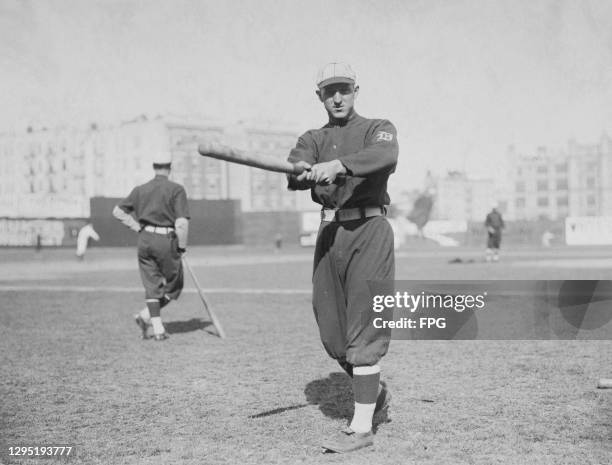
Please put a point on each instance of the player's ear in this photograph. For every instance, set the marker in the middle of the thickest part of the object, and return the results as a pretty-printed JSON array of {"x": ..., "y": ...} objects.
[
  {"x": 356, "y": 91},
  {"x": 318, "y": 92}
]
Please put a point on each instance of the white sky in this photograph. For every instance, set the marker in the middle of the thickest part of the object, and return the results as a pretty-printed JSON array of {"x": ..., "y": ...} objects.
[{"x": 461, "y": 79}]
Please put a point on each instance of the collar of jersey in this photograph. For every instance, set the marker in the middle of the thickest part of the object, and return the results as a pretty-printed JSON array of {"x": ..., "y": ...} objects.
[{"x": 343, "y": 122}]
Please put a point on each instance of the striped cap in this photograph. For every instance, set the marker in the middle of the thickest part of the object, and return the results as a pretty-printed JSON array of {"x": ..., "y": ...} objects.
[{"x": 333, "y": 73}]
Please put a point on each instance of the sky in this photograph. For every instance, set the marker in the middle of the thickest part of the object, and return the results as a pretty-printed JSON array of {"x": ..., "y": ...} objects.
[{"x": 460, "y": 79}]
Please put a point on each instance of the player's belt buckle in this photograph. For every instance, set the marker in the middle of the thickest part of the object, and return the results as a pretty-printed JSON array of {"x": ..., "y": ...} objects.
[
  {"x": 351, "y": 214},
  {"x": 158, "y": 229}
]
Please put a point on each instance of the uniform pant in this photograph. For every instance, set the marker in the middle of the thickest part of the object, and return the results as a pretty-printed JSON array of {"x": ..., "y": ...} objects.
[
  {"x": 494, "y": 240},
  {"x": 348, "y": 255},
  {"x": 159, "y": 262}
]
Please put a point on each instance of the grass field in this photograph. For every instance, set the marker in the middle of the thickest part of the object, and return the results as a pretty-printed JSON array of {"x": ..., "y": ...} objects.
[{"x": 75, "y": 371}]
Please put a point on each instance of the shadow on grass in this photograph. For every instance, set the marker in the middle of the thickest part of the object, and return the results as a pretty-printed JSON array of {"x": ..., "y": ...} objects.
[
  {"x": 276, "y": 411},
  {"x": 195, "y": 324},
  {"x": 333, "y": 395}
]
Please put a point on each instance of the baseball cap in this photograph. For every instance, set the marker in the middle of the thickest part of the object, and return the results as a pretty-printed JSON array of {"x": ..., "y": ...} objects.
[
  {"x": 162, "y": 158},
  {"x": 333, "y": 73}
]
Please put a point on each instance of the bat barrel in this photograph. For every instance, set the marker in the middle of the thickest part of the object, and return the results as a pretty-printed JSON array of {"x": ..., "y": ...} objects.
[{"x": 256, "y": 160}]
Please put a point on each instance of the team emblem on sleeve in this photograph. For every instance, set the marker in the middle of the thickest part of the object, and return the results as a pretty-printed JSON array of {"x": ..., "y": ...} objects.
[{"x": 384, "y": 136}]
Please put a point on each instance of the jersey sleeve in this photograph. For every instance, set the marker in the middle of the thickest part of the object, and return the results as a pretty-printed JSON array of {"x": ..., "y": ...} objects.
[
  {"x": 128, "y": 204},
  {"x": 379, "y": 154},
  {"x": 181, "y": 206},
  {"x": 304, "y": 150}
]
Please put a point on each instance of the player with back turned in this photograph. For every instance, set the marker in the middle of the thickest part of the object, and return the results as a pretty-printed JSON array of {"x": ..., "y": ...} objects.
[
  {"x": 159, "y": 213},
  {"x": 348, "y": 162}
]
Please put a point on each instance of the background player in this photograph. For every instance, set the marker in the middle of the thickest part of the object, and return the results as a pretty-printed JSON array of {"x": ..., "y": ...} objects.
[
  {"x": 161, "y": 219},
  {"x": 349, "y": 161},
  {"x": 494, "y": 224},
  {"x": 85, "y": 233}
]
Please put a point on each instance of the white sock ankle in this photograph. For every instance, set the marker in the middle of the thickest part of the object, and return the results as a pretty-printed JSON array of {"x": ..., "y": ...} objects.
[
  {"x": 158, "y": 327},
  {"x": 362, "y": 418},
  {"x": 144, "y": 314}
]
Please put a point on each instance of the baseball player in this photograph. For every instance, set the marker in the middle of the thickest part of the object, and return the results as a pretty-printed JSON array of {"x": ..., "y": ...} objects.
[
  {"x": 348, "y": 162},
  {"x": 85, "y": 233},
  {"x": 494, "y": 224},
  {"x": 158, "y": 212}
]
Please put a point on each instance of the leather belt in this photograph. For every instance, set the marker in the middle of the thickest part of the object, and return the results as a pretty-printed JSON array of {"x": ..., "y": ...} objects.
[
  {"x": 351, "y": 214},
  {"x": 158, "y": 229}
]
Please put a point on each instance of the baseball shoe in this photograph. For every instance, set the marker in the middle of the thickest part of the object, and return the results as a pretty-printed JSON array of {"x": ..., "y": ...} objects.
[
  {"x": 142, "y": 324},
  {"x": 604, "y": 383},
  {"x": 160, "y": 337},
  {"x": 349, "y": 441}
]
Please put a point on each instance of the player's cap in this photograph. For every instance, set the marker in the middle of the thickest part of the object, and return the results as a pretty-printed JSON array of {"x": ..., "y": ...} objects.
[
  {"x": 162, "y": 158},
  {"x": 333, "y": 73}
]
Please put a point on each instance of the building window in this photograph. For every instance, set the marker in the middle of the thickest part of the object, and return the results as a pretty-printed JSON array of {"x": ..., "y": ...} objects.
[
  {"x": 561, "y": 168},
  {"x": 542, "y": 185},
  {"x": 542, "y": 201},
  {"x": 561, "y": 184},
  {"x": 591, "y": 200},
  {"x": 590, "y": 182},
  {"x": 562, "y": 201},
  {"x": 520, "y": 186},
  {"x": 542, "y": 169},
  {"x": 520, "y": 202}
]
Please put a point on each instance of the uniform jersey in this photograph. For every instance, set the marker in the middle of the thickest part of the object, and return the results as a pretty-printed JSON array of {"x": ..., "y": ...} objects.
[
  {"x": 366, "y": 147},
  {"x": 158, "y": 202},
  {"x": 494, "y": 220}
]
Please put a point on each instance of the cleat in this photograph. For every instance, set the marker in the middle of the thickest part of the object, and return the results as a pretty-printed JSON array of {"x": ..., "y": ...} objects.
[
  {"x": 160, "y": 337},
  {"x": 349, "y": 441},
  {"x": 143, "y": 325},
  {"x": 604, "y": 383}
]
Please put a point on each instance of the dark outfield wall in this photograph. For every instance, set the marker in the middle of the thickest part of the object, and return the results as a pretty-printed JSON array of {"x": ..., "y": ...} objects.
[
  {"x": 262, "y": 228},
  {"x": 213, "y": 222}
]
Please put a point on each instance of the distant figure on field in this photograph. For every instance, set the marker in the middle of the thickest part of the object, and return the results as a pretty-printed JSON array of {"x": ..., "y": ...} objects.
[
  {"x": 547, "y": 238},
  {"x": 278, "y": 242},
  {"x": 421, "y": 211},
  {"x": 85, "y": 233},
  {"x": 494, "y": 224}
]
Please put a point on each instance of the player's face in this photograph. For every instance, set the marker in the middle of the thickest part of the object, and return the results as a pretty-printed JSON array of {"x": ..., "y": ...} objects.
[{"x": 338, "y": 99}]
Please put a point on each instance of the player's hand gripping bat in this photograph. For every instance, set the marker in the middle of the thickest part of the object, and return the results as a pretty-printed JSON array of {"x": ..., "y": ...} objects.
[{"x": 257, "y": 160}]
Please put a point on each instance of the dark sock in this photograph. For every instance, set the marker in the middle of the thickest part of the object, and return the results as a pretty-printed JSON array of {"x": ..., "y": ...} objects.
[
  {"x": 154, "y": 307},
  {"x": 365, "y": 388}
]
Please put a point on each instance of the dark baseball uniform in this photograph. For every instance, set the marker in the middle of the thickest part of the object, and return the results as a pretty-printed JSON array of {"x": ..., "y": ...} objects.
[
  {"x": 495, "y": 221},
  {"x": 159, "y": 202},
  {"x": 348, "y": 254}
]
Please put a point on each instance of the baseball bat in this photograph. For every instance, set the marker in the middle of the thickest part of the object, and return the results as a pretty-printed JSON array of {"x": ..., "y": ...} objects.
[
  {"x": 208, "y": 310},
  {"x": 257, "y": 160}
]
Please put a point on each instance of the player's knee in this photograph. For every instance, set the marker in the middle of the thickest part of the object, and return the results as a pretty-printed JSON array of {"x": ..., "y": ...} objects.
[{"x": 367, "y": 355}]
